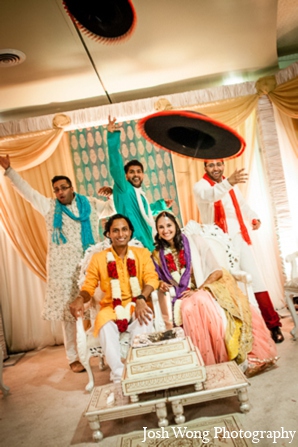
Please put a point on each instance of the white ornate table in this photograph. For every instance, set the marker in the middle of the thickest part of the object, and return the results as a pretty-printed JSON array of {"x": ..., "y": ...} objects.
[
  {"x": 223, "y": 380},
  {"x": 109, "y": 403}
]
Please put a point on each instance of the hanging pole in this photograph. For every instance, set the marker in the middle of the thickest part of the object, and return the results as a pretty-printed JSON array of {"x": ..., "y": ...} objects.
[{"x": 92, "y": 62}]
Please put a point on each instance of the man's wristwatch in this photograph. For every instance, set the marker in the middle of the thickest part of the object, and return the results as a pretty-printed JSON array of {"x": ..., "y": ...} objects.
[{"x": 141, "y": 297}]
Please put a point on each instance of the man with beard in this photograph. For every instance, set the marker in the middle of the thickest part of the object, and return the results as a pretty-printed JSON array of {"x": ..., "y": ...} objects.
[
  {"x": 220, "y": 201},
  {"x": 72, "y": 226},
  {"x": 129, "y": 198}
]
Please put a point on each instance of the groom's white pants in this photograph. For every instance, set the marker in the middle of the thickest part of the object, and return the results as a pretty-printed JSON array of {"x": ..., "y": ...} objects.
[{"x": 109, "y": 338}]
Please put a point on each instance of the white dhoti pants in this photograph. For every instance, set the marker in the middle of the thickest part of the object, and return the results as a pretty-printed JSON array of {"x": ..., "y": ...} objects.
[
  {"x": 248, "y": 262},
  {"x": 110, "y": 343},
  {"x": 69, "y": 330}
]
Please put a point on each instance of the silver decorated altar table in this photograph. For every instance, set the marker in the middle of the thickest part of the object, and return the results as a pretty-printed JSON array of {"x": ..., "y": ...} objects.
[
  {"x": 109, "y": 403},
  {"x": 155, "y": 364}
]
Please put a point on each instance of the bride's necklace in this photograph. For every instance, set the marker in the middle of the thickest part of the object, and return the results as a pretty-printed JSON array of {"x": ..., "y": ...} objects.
[{"x": 176, "y": 262}]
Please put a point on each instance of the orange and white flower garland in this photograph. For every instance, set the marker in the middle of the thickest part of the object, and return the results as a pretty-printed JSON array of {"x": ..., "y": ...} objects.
[{"x": 123, "y": 314}]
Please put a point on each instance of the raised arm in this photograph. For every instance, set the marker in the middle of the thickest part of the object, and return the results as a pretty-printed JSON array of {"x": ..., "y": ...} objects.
[
  {"x": 37, "y": 200},
  {"x": 116, "y": 165},
  {"x": 204, "y": 193}
]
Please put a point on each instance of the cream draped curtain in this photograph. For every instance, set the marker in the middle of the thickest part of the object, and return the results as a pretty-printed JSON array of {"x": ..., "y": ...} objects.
[
  {"x": 22, "y": 297},
  {"x": 29, "y": 150},
  {"x": 284, "y": 96},
  {"x": 288, "y": 142},
  {"x": 289, "y": 126}
]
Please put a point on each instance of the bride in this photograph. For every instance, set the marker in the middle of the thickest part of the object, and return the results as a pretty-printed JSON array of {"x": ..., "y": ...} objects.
[{"x": 213, "y": 311}]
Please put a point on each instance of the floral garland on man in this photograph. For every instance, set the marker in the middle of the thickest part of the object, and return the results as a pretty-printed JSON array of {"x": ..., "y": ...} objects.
[{"x": 123, "y": 314}]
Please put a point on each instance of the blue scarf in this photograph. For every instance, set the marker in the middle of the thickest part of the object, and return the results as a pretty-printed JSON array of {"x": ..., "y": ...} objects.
[{"x": 84, "y": 208}]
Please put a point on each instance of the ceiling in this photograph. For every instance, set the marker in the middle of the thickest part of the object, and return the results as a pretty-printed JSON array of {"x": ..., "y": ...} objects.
[{"x": 177, "y": 46}]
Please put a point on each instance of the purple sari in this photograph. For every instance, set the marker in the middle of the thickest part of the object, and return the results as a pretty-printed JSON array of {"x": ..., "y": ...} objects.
[{"x": 165, "y": 275}]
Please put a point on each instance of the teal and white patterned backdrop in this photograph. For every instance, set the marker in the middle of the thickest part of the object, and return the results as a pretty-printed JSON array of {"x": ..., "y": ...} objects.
[{"x": 91, "y": 164}]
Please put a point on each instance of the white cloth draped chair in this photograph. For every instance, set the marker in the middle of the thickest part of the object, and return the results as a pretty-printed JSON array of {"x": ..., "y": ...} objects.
[
  {"x": 291, "y": 290},
  {"x": 222, "y": 248}
]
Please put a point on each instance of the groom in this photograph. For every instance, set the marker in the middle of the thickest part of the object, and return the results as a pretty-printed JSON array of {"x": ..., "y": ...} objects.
[{"x": 127, "y": 277}]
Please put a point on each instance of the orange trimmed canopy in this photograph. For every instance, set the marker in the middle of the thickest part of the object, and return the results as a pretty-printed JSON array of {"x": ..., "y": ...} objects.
[
  {"x": 108, "y": 21},
  {"x": 191, "y": 134}
]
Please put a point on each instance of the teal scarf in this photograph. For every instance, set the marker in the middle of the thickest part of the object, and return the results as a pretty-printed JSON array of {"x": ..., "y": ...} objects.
[{"x": 84, "y": 217}]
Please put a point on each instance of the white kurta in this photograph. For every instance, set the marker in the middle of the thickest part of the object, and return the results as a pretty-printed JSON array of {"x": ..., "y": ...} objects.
[
  {"x": 62, "y": 260},
  {"x": 205, "y": 196}
]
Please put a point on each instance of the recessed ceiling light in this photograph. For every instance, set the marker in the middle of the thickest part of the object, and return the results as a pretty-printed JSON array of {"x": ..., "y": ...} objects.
[{"x": 10, "y": 58}]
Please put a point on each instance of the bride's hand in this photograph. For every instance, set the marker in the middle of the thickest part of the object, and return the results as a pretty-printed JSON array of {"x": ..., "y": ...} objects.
[
  {"x": 187, "y": 294},
  {"x": 164, "y": 287}
]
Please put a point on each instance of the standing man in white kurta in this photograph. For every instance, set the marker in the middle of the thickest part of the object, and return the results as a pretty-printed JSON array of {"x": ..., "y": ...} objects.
[
  {"x": 72, "y": 225},
  {"x": 220, "y": 201}
]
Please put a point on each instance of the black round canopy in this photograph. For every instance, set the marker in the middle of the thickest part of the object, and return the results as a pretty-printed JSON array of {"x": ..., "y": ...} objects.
[
  {"x": 107, "y": 20},
  {"x": 191, "y": 134}
]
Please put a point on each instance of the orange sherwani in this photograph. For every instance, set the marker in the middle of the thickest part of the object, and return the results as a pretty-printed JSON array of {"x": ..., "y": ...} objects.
[{"x": 98, "y": 272}]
